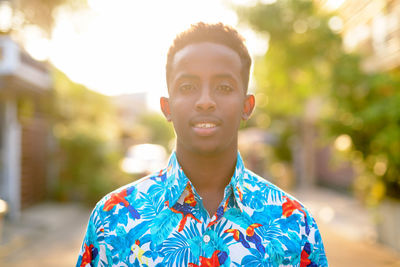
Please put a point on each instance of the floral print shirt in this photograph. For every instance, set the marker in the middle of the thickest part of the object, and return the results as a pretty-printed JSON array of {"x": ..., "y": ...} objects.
[{"x": 160, "y": 221}]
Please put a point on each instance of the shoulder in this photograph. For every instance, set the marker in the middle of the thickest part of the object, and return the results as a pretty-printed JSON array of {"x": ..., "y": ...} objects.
[
  {"x": 270, "y": 205},
  {"x": 127, "y": 197},
  {"x": 264, "y": 189},
  {"x": 260, "y": 193}
]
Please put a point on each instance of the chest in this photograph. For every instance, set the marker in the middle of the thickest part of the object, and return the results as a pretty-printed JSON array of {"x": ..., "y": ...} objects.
[{"x": 233, "y": 240}]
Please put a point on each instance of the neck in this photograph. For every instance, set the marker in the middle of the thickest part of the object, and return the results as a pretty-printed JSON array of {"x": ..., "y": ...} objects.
[{"x": 208, "y": 172}]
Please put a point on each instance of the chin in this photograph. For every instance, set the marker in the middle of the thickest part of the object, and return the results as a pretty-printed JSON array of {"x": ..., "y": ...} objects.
[
  {"x": 211, "y": 149},
  {"x": 208, "y": 146}
]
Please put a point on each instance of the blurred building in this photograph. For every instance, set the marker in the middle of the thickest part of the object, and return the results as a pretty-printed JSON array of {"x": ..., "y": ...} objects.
[
  {"x": 372, "y": 28},
  {"x": 129, "y": 108},
  {"x": 25, "y": 91}
]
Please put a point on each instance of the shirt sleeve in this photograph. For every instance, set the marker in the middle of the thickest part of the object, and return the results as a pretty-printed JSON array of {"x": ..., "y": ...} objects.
[
  {"x": 313, "y": 252},
  {"x": 93, "y": 250}
]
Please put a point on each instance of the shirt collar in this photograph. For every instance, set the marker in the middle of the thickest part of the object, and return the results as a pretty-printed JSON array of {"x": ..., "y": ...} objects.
[
  {"x": 176, "y": 177},
  {"x": 237, "y": 179}
]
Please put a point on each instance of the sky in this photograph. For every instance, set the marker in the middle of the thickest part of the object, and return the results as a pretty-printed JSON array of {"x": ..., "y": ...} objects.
[{"x": 119, "y": 46}]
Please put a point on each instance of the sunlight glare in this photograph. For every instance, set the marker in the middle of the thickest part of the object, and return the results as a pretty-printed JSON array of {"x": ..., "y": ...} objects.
[
  {"x": 335, "y": 24},
  {"x": 120, "y": 46},
  {"x": 343, "y": 142},
  {"x": 36, "y": 44},
  {"x": 380, "y": 168},
  {"x": 332, "y": 5},
  {"x": 6, "y": 14}
]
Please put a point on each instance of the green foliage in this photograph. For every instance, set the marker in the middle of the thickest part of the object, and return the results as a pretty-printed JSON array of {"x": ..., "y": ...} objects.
[
  {"x": 41, "y": 12},
  {"x": 301, "y": 51},
  {"x": 305, "y": 61},
  {"x": 367, "y": 109},
  {"x": 159, "y": 130},
  {"x": 88, "y": 155},
  {"x": 295, "y": 69}
]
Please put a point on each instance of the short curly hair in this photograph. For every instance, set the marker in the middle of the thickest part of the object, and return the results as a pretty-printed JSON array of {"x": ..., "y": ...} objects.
[{"x": 214, "y": 33}]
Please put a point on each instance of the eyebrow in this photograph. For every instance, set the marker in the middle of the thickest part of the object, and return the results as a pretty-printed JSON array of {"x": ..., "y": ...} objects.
[
  {"x": 187, "y": 76},
  {"x": 218, "y": 76},
  {"x": 223, "y": 76}
]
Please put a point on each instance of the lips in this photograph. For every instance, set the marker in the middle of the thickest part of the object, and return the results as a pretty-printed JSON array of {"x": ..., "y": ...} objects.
[
  {"x": 205, "y": 122},
  {"x": 205, "y": 126}
]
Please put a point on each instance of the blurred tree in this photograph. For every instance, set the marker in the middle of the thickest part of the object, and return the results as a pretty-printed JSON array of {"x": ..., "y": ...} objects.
[
  {"x": 294, "y": 74},
  {"x": 159, "y": 130},
  {"x": 86, "y": 134},
  {"x": 307, "y": 76},
  {"x": 302, "y": 49},
  {"x": 366, "y": 108},
  {"x": 41, "y": 12}
]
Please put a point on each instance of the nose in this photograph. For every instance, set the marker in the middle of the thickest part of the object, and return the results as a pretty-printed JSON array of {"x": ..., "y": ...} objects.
[{"x": 205, "y": 102}]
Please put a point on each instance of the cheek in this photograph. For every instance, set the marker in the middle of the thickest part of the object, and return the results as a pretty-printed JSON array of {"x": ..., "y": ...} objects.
[
  {"x": 179, "y": 105},
  {"x": 179, "y": 112},
  {"x": 233, "y": 107}
]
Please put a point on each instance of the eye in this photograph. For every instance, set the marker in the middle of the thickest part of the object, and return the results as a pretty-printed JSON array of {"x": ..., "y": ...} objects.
[
  {"x": 224, "y": 88},
  {"x": 186, "y": 87}
]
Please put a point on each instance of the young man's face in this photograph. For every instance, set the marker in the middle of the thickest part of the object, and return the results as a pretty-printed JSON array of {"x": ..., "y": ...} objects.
[{"x": 207, "y": 99}]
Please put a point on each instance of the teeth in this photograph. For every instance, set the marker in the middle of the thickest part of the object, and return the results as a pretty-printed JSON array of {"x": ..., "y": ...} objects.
[{"x": 204, "y": 125}]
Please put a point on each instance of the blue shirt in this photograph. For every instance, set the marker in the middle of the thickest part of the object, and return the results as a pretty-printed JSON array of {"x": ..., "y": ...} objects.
[{"x": 160, "y": 221}]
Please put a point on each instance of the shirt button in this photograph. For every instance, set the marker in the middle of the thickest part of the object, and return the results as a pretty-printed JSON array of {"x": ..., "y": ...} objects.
[{"x": 206, "y": 238}]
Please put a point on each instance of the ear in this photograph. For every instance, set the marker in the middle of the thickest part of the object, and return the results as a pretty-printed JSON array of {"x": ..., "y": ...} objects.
[
  {"x": 248, "y": 107},
  {"x": 164, "y": 104}
]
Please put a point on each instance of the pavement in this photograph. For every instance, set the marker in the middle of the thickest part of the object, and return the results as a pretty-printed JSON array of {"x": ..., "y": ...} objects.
[
  {"x": 50, "y": 234},
  {"x": 347, "y": 229}
]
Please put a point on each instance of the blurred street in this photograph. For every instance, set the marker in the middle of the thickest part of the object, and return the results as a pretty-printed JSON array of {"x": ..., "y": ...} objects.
[
  {"x": 347, "y": 230},
  {"x": 80, "y": 87},
  {"x": 50, "y": 234}
]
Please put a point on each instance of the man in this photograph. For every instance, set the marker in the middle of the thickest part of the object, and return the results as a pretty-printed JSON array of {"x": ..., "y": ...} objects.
[{"x": 204, "y": 208}]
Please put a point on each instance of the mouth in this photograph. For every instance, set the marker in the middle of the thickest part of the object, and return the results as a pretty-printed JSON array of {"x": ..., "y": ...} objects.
[{"x": 205, "y": 125}]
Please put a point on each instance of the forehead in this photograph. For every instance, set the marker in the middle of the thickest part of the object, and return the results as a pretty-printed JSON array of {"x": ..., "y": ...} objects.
[{"x": 206, "y": 58}]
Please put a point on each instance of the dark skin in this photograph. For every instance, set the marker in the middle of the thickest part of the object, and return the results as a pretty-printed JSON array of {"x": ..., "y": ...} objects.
[
  {"x": 211, "y": 181},
  {"x": 207, "y": 101}
]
